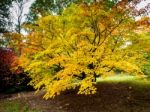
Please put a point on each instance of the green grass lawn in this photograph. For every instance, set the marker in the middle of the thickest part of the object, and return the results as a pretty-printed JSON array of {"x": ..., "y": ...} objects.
[
  {"x": 135, "y": 80},
  {"x": 138, "y": 83}
]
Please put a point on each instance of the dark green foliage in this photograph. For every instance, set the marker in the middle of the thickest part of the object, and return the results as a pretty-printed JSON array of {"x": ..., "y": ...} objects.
[
  {"x": 146, "y": 69},
  {"x": 4, "y": 15}
]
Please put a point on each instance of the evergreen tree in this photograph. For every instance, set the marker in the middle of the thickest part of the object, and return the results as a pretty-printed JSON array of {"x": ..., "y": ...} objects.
[{"x": 4, "y": 15}]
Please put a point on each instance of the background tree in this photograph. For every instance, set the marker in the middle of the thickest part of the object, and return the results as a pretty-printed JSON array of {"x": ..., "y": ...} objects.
[
  {"x": 18, "y": 15},
  {"x": 11, "y": 74},
  {"x": 144, "y": 43},
  {"x": 15, "y": 38},
  {"x": 5, "y": 15},
  {"x": 13, "y": 11},
  {"x": 5, "y": 20}
]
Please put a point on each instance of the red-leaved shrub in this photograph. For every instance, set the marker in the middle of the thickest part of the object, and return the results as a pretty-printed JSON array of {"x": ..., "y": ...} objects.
[{"x": 10, "y": 77}]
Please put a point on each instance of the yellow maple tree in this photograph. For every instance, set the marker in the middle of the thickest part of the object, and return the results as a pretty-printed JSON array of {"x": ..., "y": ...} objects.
[{"x": 85, "y": 42}]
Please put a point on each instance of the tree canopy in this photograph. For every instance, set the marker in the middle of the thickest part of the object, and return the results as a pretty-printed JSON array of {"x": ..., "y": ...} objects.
[
  {"x": 82, "y": 43},
  {"x": 42, "y": 8}
]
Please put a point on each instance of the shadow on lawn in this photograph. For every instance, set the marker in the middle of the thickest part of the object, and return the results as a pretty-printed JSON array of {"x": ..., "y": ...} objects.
[{"x": 118, "y": 96}]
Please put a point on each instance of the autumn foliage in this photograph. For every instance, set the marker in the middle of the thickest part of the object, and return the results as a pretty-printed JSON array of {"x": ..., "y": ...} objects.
[
  {"x": 83, "y": 43},
  {"x": 11, "y": 75},
  {"x": 6, "y": 61}
]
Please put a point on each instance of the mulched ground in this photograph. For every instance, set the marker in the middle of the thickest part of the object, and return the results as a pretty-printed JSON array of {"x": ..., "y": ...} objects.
[{"x": 109, "y": 98}]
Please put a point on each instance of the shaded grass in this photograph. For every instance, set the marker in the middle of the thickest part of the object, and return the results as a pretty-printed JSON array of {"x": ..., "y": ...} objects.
[
  {"x": 111, "y": 89},
  {"x": 14, "y": 106}
]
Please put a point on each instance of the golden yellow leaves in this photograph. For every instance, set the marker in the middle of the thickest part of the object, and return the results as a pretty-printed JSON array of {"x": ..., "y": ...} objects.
[
  {"x": 87, "y": 87},
  {"x": 73, "y": 49}
]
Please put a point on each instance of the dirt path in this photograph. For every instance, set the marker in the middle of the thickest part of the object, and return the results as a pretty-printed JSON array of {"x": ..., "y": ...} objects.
[{"x": 109, "y": 98}]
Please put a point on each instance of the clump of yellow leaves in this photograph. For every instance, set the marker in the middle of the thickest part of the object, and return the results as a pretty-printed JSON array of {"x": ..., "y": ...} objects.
[{"x": 83, "y": 43}]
